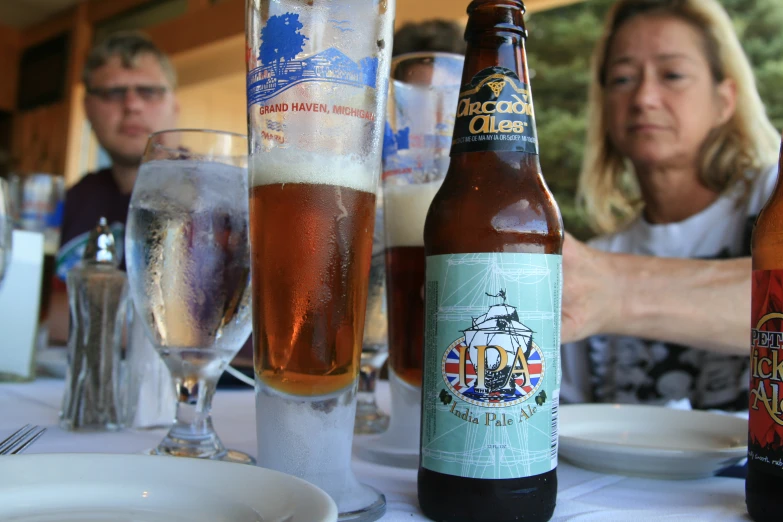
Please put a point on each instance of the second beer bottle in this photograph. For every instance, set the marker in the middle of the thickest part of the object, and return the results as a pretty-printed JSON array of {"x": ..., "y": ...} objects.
[
  {"x": 765, "y": 423},
  {"x": 493, "y": 240}
]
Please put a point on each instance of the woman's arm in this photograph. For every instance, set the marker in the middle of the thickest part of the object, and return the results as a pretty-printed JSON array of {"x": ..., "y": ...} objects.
[{"x": 686, "y": 301}]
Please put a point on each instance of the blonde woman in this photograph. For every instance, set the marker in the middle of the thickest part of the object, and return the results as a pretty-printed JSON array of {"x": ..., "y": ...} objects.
[{"x": 680, "y": 158}]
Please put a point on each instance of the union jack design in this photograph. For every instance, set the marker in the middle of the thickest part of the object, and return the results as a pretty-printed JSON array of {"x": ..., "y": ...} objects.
[{"x": 523, "y": 390}]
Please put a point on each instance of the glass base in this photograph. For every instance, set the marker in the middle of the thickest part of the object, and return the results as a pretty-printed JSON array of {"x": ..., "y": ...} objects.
[
  {"x": 370, "y": 420},
  {"x": 287, "y": 442},
  {"x": 235, "y": 456},
  {"x": 371, "y": 512},
  {"x": 380, "y": 450},
  {"x": 399, "y": 445}
]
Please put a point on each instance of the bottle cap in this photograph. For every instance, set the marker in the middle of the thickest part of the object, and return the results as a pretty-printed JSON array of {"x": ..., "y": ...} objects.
[{"x": 100, "y": 245}]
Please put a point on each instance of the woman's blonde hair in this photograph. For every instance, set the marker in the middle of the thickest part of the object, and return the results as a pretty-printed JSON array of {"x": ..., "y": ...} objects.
[{"x": 748, "y": 142}]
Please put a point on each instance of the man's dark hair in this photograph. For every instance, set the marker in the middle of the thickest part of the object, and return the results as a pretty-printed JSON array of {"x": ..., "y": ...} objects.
[
  {"x": 128, "y": 46},
  {"x": 430, "y": 36}
]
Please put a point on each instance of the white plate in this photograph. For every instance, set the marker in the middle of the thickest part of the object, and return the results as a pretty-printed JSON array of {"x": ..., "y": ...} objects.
[
  {"x": 651, "y": 441},
  {"x": 138, "y": 488}
]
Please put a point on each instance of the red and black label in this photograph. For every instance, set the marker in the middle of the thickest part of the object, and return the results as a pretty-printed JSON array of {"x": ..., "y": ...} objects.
[
  {"x": 765, "y": 433},
  {"x": 495, "y": 113}
]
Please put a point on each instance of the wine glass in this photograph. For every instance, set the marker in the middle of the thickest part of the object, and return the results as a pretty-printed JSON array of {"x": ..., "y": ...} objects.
[
  {"x": 423, "y": 92},
  {"x": 6, "y": 227},
  {"x": 188, "y": 260},
  {"x": 370, "y": 419}
]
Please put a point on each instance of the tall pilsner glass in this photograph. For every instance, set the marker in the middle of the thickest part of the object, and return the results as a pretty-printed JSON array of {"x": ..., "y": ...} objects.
[
  {"x": 317, "y": 88},
  {"x": 187, "y": 252}
]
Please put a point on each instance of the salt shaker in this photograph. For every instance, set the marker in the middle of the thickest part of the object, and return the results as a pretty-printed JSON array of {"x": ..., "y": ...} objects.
[{"x": 97, "y": 295}]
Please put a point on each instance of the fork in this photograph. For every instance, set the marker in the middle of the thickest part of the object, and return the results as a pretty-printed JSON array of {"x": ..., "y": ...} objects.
[{"x": 18, "y": 441}]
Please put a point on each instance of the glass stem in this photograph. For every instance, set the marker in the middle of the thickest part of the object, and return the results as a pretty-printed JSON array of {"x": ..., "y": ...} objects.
[
  {"x": 194, "y": 404},
  {"x": 369, "y": 419},
  {"x": 365, "y": 398},
  {"x": 192, "y": 434}
]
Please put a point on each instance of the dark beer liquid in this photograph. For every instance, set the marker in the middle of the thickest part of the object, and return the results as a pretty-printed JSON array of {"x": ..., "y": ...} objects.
[
  {"x": 765, "y": 434},
  {"x": 404, "y": 283},
  {"x": 493, "y": 199}
]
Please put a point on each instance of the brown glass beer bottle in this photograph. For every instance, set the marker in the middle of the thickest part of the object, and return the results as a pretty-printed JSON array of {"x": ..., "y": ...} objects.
[
  {"x": 765, "y": 428},
  {"x": 493, "y": 240}
]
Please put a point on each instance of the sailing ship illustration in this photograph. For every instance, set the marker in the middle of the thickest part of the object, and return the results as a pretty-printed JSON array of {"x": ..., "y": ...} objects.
[{"x": 494, "y": 342}]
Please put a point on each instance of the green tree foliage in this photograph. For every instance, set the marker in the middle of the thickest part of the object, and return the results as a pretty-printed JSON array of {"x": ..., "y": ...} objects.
[{"x": 559, "y": 49}]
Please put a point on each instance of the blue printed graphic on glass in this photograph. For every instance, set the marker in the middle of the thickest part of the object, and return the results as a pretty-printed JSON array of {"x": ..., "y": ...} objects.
[
  {"x": 281, "y": 67},
  {"x": 389, "y": 143},
  {"x": 395, "y": 142},
  {"x": 344, "y": 26}
]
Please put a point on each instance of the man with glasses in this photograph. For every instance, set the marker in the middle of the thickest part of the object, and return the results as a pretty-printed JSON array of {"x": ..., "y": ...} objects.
[{"x": 129, "y": 95}]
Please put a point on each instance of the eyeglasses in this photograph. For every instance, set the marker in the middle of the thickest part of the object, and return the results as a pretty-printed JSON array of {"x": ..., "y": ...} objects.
[{"x": 147, "y": 93}]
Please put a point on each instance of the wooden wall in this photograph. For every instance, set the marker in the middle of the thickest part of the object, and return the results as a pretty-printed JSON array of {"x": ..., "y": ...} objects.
[
  {"x": 52, "y": 138},
  {"x": 211, "y": 90},
  {"x": 418, "y": 10},
  {"x": 207, "y": 46},
  {"x": 10, "y": 48},
  {"x": 215, "y": 104},
  {"x": 39, "y": 139}
]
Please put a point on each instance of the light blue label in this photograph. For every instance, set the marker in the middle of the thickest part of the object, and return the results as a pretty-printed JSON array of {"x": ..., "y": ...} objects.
[{"x": 491, "y": 364}]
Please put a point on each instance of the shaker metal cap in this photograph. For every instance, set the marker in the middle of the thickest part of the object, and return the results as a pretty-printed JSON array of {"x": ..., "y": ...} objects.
[{"x": 100, "y": 245}]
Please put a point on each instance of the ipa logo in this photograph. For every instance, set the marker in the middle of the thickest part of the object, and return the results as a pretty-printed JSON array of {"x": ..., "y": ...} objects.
[{"x": 496, "y": 363}]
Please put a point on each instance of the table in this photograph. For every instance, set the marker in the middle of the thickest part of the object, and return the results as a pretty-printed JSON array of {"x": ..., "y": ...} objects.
[{"x": 583, "y": 495}]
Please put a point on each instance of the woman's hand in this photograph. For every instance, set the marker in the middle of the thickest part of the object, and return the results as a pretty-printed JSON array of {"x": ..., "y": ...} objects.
[
  {"x": 693, "y": 302},
  {"x": 591, "y": 296}
]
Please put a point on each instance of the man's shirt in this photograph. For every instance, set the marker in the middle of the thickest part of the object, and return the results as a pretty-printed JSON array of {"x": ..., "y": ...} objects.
[{"x": 95, "y": 196}]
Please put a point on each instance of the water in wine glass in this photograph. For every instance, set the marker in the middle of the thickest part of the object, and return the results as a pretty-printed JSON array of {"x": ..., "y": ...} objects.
[{"x": 188, "y": 252}]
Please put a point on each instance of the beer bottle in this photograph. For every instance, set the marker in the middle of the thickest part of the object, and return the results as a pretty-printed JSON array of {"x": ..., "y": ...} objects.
[
  {"x": 765, "y": 427},
  {"x": 493, "y": 242}
]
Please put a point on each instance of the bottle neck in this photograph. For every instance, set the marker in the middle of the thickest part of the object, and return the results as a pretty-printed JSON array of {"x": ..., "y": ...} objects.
[
  {"x": 501, "y": 50},
  {"x": 495, "y": 108},
  {"x": 495, "y": 34}
]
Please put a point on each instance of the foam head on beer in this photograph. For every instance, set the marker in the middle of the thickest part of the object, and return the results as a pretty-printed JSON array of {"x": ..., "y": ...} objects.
[
  {"x": 280, "y": 166},
  {"x": 406, "y": 210}
]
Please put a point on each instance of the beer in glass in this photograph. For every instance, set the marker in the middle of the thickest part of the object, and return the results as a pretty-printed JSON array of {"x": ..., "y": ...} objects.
[{"x": 316, "y": 87}]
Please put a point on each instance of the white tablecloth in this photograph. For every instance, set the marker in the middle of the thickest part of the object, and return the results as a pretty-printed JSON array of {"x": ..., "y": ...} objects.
[{"x": 582, "y": 496}]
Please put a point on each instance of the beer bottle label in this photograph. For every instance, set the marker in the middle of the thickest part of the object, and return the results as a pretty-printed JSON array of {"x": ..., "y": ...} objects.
[
  {"x": 495, "y": 113},
  {"x": 765, "y": 436},
  {"x": 491, "y": 384}
]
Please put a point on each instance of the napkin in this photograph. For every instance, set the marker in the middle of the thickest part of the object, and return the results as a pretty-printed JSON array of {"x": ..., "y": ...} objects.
[
  {"x": 20, "y": 293},
  {"x": 150, "y": 387}
]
